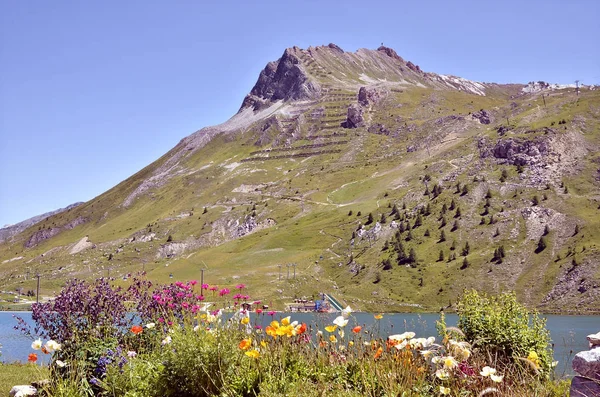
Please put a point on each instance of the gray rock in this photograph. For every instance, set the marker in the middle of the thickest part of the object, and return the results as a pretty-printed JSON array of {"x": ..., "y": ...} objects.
[
  {"x": 594, "y": 339},
  {"x": 369, "y": 95},
  {"x": 355, "y": 117},
  {"x": 583, "y": 387},
  {"x": 22, "y": 391},
  {"x": 587, "y": 363},
  {"x": 483, "y": 116}
]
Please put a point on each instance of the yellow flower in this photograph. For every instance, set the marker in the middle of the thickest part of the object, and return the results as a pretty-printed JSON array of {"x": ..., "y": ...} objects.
[
  {"x": 332, "y": 338},
  {"x": 331, "y": 328},
  {"x": 263, "y": 343},
  {"x": 285, "y": 321},
  {"x": 245, "y": 320},
  {"x": 350, "y": 344},
  {"x": 378, "y": 316},
  {"x": 444, "y": 390},
  {"x": 535, "y": 359},
  {"x": 253, "y": 353},
  {"x": 245, "y": 344}
]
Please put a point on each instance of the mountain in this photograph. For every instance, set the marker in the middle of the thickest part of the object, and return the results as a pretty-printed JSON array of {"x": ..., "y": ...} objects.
[
  {"x": 362, "y": 176},
  {"x": 10, "y": 230}
]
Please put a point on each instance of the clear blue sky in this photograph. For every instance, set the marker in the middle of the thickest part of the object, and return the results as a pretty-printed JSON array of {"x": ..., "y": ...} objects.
[{"x": 93, "y": 91}]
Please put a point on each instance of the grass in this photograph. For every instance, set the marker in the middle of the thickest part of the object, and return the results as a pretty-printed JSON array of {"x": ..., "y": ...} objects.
[{"x": 19, "y": 374}]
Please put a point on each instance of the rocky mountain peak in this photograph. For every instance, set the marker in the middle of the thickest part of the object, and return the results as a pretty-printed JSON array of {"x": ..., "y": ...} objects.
[{"x": 285, "y": 79}]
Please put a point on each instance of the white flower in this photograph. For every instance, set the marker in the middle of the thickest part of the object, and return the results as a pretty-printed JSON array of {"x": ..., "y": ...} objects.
[
  {"x": 340, "y": 321},
  {"x": 52, "y": 346},
  {"x": 399, "y": 337},
  {"x": 442, "y": 374},
  {"x": 401, "y": 345},
  {"x": 37, "y": 344},
  {"x": 346, "y": 312},
  {"x": 150, "y": 325},
  {"x": 167, "y": 340},
  {"x": 487, "y": 371},
  {"x": 196, "y": 328},
  {"x": 444, "y": 390},
  {"x": 427, "y": 353},
  {"x": 554, "y": 364},
  {"x": 131, "y": 354},
  {"x": 496, "y": 378},
  {"x": 60, "y": 364},
  {"x": 450, "y": 362}
]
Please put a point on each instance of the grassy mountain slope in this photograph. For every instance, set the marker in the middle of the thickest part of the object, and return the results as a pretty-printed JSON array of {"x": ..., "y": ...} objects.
[{"x": 283, "y": 182}]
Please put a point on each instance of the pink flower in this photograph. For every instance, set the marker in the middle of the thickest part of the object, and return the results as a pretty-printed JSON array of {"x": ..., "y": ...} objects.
[
  {"x": 214, "y": 288},
  {"x": 258, "y": 311},
  {"x": 256, "y": 303},
  {"x": 204, "y": 286},
  {"x": 161, "y": 320},
  {"x": 271, "y": 313},
  {"x": 240, "y": 286},
  {"x": 193, "y": 282},
  {"x": 224, "y": 292}
]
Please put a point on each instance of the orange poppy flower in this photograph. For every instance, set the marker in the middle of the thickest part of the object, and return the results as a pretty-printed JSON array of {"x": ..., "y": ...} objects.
[
  {"x": 302, "y": 329},
  {"x": 245, "y": 344},
  {"x": 45, "y": 350},
  {"x": 378, "y": 353},
  {"x": 356, "y": 329},
  {"x": 137, "y": 329},
  {"x": 32, "y": 357}
]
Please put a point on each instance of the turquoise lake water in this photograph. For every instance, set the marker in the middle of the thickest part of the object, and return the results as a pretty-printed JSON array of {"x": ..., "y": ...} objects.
[{"x": 568, "y": 332}]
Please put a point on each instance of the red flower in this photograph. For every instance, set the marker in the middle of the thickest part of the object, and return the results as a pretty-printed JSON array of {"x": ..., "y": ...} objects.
[
  {"x": 302, "y": 329},
  {"x": 356, "y": 329},
  {"x": 32, "y": 357},
  {"x": 258, "y": 311},
  {"x": 137, "y": 329}
]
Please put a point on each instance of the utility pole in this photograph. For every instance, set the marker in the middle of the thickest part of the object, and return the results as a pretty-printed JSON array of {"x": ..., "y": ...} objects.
[
  {"x": 294, "y": 270},
  {"x": 279, "y": 266},
  {"x": 288, "y": 269},
  {"x": 37, "y": 293},
  {"x": 201, "y": 282},
  {"x": 577, "y": 87}
]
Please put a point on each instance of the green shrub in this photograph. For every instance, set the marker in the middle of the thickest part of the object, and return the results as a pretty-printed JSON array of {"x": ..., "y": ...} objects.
[{"x": 504, "y": 328}]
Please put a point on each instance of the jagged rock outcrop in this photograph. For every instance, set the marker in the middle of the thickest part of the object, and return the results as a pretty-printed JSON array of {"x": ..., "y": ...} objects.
[
  {"x": 516, "y": 151},
  {"x": 12, "y": 230},
  {"x": 369, "y": 96},
  {"x": 284, "y": 79},
  {"x": 483, "y": 116},
  {"x": 390, "y": 52},
  {"x": 50, "y": 232},
  {"x": 355, "y": 118},
  {"x": 171, "y": 250}
]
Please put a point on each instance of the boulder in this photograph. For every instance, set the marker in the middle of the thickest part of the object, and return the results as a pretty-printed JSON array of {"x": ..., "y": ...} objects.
[
  {"x": 584, "y": 387},
  {"x": 587, "y": 363},
  {"x": 594, "y": 340},
  {"x": 22, "y": 391},
  {"x": 483, "y": 117},
  {"x": 354, "y": 118}
]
